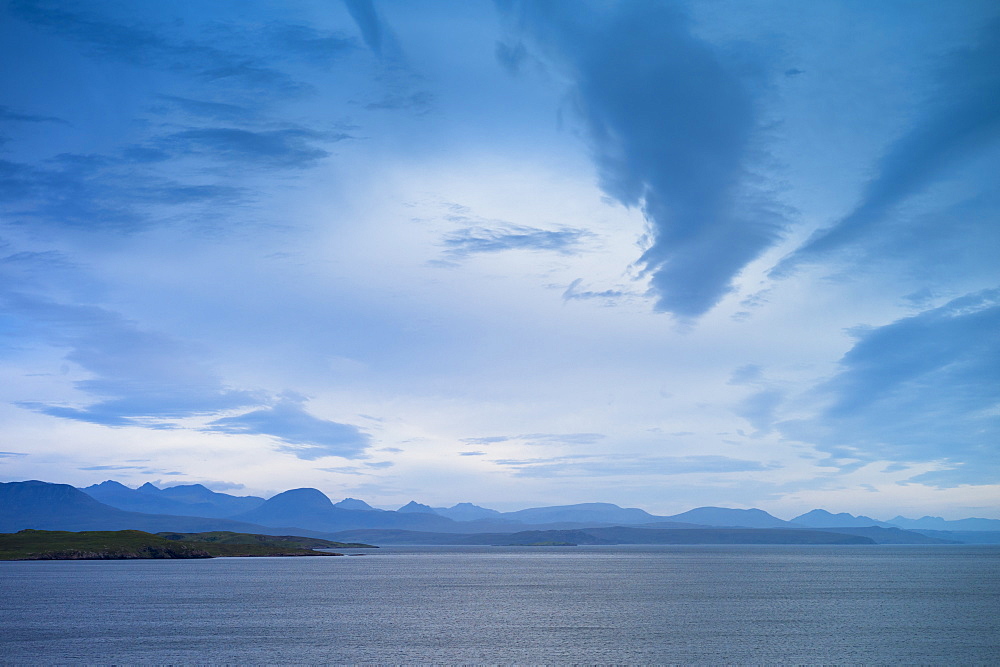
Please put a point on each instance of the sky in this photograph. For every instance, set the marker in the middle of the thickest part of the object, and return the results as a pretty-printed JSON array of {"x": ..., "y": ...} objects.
[{"x": 517, "y": 253}]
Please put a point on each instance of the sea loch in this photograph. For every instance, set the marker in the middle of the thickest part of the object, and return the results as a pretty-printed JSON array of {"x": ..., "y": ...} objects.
[{"x": 695, "y": 604}]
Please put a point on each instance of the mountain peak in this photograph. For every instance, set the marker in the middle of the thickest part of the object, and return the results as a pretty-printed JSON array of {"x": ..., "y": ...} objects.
[
  {"x": 414, "y": 506},
  {"x": 148, "y": 487},
  {"x": 302, "y": 498},
  {"x": 108, "y": 485},
  {"x": 354, "y": 504}
]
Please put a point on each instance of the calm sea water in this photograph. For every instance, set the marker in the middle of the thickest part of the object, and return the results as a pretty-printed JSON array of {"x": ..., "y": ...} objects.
[{"x": 881, "y": 604}]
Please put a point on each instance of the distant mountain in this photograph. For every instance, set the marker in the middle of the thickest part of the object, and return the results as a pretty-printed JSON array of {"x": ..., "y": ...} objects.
[
  {"x": 467, "y": 512},
  {"x": 311, "y": 509},
  {"x": 414, "y": 507},
  {"x": 605, "y": 513},
  {"x": 963, "y": 536},
  {"x": 184, "y": 500},
  {"x": 937, "y": 523},
  {"x": 196, "y": 494},
  {"x": 355, "y": 504},
  {"x": 824, "y": 519},
  {"x": 893, "y": 535},
  {"x": 45, "y": 506},
  {"x": 724, "y": 516},
  {"x": 615, "y": 535}
]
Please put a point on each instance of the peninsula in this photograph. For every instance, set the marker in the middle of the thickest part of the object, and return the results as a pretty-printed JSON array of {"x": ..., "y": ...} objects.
[{"x": 135, "y": 544}]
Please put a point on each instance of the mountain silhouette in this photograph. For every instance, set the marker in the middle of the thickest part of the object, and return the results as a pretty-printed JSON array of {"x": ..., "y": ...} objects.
[
  {"x": 46, "y": 506},
  {"x": 186, "y": 500},
  {"x": 824, "y": 519},
  {"x": 724, "y": 516}
]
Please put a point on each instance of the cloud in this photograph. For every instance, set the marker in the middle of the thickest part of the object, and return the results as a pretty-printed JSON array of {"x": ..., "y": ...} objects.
[
  {"x": 273, "y": 148},
  {"x": 7, "y": 114},
  {"x": 419, "y": 101},
  {"x": 963, "y": 118},
  {"x": 670, "y": 127},
  {"x": 539, "y": 439},
  {"x": 760, "y": 408},
  {"x": 139, "y": 377},
  {"x": 318, "y": 47},
  {"x": 307, "y": 437},
  {"x": 102, "y": 192},
  {"x": 368, "y": 22},
  {"x": 12, "y": 455},
  {"x": 208, "y": 109},
  {"x": 154, "y": 46},
  {"x": 603, "y": 466},
  {"x": 482, "y": 239},
  {"x": 574, "y": 293},
  {"x": 923, "y": 388}
]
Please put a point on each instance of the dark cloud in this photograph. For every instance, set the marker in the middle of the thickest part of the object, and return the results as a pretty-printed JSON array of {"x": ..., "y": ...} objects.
[
  {"x": 307, "y": 437},
  {"x": 368, "y": 22},
  {"x": 102, "y": 192},
  {"x": 7, "y": 114},
  {"x": 295, "y": 148},
  {"x": 923, "y": 388},
  {"x": 670, "y": 127},
  {"x": 419, "y": 101},
  {"x": 208, "y": 109},
  {"x": 511, "y": 56},
  {"x": 602, "y": 466},
  {"x": 484, "y": 239},
  {"x": 155, "y": 46},
  {"x": 309, "y": 44},
  {"x": 961, "y": 120}
]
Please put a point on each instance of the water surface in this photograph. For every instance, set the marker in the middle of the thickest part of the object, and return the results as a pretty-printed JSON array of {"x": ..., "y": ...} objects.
[{"x": 661, "y": 604}]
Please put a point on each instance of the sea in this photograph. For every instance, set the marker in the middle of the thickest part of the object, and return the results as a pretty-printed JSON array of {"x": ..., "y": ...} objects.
[{"x": 757, "y": 604}]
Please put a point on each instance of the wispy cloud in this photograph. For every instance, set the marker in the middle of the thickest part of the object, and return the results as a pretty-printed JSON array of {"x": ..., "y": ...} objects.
[
  {"x": 8, "y": 114},
  {"x": 156, "y": 46},
  {"x": 137, "y": 377},
  {"x": 539, "y": 439},
  {"x": 962, "y": 119},
  {"x": 306, "y": 436},
  {"x": 606, "y": 466},
  {"x": 368, "y": 22},
  {"x": 293, "y": 147},
  {"x": 670, "y": 128},
  {"x": 574, "y": 293},
  {"x": 923, "y": 388},
  {"x": 505, "y": 236}
]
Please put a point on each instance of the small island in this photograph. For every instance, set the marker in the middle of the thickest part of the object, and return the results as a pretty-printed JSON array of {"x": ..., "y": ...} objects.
[{"x": 32, "y": 544}]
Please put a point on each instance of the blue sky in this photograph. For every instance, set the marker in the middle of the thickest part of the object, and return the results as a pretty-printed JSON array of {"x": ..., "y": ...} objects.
[{"x": 661, "y": 254}]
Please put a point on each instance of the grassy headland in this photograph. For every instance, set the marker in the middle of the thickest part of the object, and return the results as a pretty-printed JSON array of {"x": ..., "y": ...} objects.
[{"x": 132, "y": 544}]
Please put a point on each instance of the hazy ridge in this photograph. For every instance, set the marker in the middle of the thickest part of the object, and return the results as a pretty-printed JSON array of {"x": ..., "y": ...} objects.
[{"x": 308, "y": 512}]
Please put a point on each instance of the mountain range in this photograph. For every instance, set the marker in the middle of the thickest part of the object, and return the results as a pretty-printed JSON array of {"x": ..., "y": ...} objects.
[{"x": 195, "y": 508}]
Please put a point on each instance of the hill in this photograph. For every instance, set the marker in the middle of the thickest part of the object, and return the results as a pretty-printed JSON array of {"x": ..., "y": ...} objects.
[{"x": 134, "y": 544}]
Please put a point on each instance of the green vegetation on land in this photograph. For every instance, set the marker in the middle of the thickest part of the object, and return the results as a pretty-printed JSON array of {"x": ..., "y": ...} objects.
[{"x": 132, "y": 544}]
